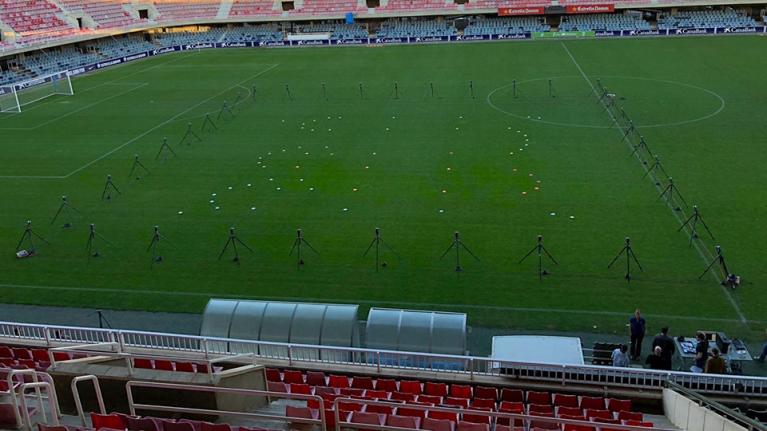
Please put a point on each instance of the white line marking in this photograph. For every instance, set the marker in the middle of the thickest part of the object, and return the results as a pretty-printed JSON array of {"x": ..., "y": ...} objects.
[
  {"x": 52, "y": 120},
  {"x": 652, "y": 178},
  {"x": 360, "y": 301}
]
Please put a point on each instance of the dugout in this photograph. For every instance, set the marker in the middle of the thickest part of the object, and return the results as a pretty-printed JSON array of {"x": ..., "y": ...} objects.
[
  {"x": 418, "y": 331},
  {"x": 281, "y": 322}
]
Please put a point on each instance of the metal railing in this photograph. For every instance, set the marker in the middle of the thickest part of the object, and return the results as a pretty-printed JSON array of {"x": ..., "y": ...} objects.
[
  {"x": 133, "y": 405},
  {"x": 78, "y": 400},
  {"x": 375, "y": 361},
  {"x": 41, "y": 382}
]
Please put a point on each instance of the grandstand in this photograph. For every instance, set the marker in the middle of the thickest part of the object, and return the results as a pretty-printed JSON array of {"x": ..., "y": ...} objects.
[
  {"x": 604, "y": 22},
  {"x": 505, "y": 26}
]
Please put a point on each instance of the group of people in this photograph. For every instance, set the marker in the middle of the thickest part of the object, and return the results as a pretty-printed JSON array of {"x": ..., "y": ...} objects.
[{"x": 663, "y": 349}]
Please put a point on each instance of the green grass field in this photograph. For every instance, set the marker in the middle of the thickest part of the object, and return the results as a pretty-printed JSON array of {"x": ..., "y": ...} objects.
[{"x": 419, "y": 167}]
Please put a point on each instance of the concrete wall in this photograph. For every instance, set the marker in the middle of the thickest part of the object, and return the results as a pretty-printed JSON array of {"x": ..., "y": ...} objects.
[{"x": 689, "y": 416}]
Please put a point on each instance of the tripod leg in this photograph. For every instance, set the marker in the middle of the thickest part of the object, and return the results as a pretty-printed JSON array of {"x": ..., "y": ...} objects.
[
  {"x": 448, "y": 250},
  {"x": 708, "y": 268},
  {"x": 528, "y": 254},
  {"x": 469, "y": 251},
  {"x": 634, "y": 257},
  {"x": 21, "y": 241},
  {"x": 616, "y": 257},
  {"x": 236, "y": 253},
  {"x": 243, "y": 244},
  {"x": 389, "y": 248},
  {"x": 310, "y": 247},
  {"x": 226, "y": 246},
  {"x": 686, "y": 222},
  {"x": 549, "y": 255},
  {"x": 706, "y": 227},
  {"x": 369, "y": 247}
]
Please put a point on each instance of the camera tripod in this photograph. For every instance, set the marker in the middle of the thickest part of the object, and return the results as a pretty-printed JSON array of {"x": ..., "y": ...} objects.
[
  {"x": 297, "y": 243},
  {"x": 629, "y": 252},
  {"x": 457, "y": 244},
  {"x": 233, "y": 241},
  {"x": 29, "y": 236},
  {"x": 540, "y": 250},
  {"x": 377, "y": 242}
]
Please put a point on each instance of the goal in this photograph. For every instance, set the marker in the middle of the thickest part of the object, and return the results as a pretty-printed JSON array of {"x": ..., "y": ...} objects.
[{"x": 14, "y": 96}]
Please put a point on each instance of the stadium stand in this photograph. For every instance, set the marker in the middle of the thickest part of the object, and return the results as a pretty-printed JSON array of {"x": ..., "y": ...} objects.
[
  {"x": 106, "y": 13},
  {"x": 337, "y": 31},
  {"x": 703, "y": 19},
  {"x": 34, "y": 20},
  {"x": 170, "y": 10},
  {"x": 399, "y": 28},
  {"x": 604, "y": 22},
  {"x": 251, "y": 8},
  {"x": 253, "y": 33},
  {"x": 505, "y": 26}
]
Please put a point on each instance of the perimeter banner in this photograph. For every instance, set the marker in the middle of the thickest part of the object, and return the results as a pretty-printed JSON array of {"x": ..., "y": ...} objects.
[
  {"x": 520, "y": 10},
  {"x": 561, "y": 34},
  {"x": 590, "y": 8}
]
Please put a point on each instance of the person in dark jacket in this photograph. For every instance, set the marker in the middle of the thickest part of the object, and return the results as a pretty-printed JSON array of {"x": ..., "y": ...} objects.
[
  {"x": 666, "y": 343},
  {"x": 655, "y": 359},
  {"x": 637, "y": 327}
]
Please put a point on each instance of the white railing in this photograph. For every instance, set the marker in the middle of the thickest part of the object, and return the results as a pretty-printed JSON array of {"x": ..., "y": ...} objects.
[{"x": 374, "y": 361}]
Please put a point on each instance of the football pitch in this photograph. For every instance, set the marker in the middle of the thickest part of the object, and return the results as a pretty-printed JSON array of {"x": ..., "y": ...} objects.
[{"x": 339, "y": 141}]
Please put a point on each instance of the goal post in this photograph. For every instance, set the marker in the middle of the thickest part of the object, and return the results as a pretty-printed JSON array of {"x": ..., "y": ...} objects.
[{"x": 13, "y": 97}]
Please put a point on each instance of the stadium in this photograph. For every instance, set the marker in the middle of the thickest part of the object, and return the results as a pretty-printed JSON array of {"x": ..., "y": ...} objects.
[{"x": 387, "y": 215}]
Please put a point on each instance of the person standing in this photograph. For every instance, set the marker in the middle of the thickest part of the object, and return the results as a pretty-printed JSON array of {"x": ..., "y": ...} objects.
[
  {"x": 637, "y": 327},
  {"x": 715, "y": 364},
  {"x": 666, "y": 343},
  {"x": 701, "y": 353},
  {"x": 620, "y": 356}
]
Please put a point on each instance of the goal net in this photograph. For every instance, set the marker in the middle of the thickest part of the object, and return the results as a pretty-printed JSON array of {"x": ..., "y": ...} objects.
[{"x": 15, "y": 96}]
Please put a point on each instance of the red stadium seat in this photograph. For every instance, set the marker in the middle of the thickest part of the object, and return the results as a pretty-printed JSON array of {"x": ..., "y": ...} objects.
[
  {"x": 42, "y": 427},
  {"x": 616, "y": 405},
  {"x": 499, "y": 427},
  {"x": 540, "y": 409},
  {"x": 292, "y": 376},
  {"x": 387, "y": 385},
  {"x": 443, "y": 415},
  {"x": 483, "y": 403},
  {"x": 605, "y": 414},
  {"x": 456, "y": 402},
  {"x": 430, "y": 424},
  {"x": 486, "y": 392},
  {"x": 630, "y": 416},
  {"x": 338, "y": 381},
  {"x": 61, "y": 356},
  {"x": 142, "y": 363},
  {"x": 42, "y": 355},
  {"x": 368, "y": 418},
  {"x": 606, "y": 420},
  {"x": 108, "y": 421},
  {"x": 436, "y": 389},
  {"x": 580, "y": 417},
  {"x": 461, "y": 391},
  {"x": 300, "y": 388},
  {"x": 546, "y": 425},
  {"x": 301, "y": 412},
  {"x": 401, "y": 396},
  {"x": 207, "y": 426},
  {"x": 593, "y": 403},
  {"x": 410, "y": 387},
  {"x": 573, "y": 427},
  {"x": 569, "y": 411},
  {"x": 403, "y": 421},
  {"x": 196, "y": 425},
  {"x": 161, "y": 364},
  {"x": 350, "y": 406},
  {"x": 6, "y": 352},
  {"x": 512, "y": 407},
  {"x": 362, "y": 382},
  {"x": 566, "y": 400},
  {"x": 472, "y": 426},
  {"x": 513, "y": 395},
  {"x": 476, "y": 418},
  {"x": 430, "y": 399},
  {"x": 185, "y": 367},
  {"x": 316, "y": 378},
  {"x": 22, "y": 353},
  {"x": 380, "y": 395},
  {"x": 273, "y": 375},
  {"x": 534, "y": 397},
  {"x": 374, "y": 408},
  {"x": 202, "y": 368},
  {"x": 277, "y": 387},
  {"x": 411, "y": 412},
  {"x": 352, "y": 392}
]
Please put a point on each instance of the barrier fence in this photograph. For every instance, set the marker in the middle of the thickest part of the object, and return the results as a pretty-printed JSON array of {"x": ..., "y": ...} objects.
[{"x": 373, "y": 361}]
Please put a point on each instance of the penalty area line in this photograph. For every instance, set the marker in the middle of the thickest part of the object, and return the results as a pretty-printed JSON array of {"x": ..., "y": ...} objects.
[{"x": 171, "y": 293}]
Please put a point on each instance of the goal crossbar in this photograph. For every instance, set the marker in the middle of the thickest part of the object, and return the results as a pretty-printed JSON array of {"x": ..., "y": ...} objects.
[{"x": 14, "y": 96}]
